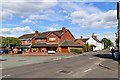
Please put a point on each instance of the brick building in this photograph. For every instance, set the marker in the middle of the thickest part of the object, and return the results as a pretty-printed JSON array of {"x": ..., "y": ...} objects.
[
  {"x": 59, "y": 41},
  {"x": 93, "y": 41}
]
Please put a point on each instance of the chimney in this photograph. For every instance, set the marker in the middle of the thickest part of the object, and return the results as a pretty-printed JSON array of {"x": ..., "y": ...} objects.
[
  {"x": 81, "y": 37},
  {"x": 93, "y": 35},
  {"x": 36, "y": 33},
  {"x": 63, "y": 29}
]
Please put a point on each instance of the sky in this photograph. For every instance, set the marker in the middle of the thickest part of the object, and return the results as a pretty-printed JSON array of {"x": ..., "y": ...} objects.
[{"x": 79, "y": 16}]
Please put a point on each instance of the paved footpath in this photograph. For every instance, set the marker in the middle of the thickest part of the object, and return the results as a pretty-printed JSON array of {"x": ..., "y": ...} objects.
[{"x": 107, "y": 68}]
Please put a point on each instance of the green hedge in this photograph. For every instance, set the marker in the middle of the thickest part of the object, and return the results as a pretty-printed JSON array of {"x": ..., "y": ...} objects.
[{"x": 76, "y": 51}]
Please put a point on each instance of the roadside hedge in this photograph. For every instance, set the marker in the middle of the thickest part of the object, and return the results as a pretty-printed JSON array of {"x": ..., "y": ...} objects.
[{"x": 76, "y": 51}]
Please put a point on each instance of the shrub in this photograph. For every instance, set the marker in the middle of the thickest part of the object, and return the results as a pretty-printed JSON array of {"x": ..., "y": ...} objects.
[
  {"x": 87, "y": 47},
  {"x": 76, "y": 51},
  {"x": 34, "y": 49}
]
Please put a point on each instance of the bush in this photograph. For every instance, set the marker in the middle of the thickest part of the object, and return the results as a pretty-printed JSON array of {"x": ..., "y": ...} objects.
[
  {"x": 76, "y": 51},
  {"x": 87, "y": 47}
]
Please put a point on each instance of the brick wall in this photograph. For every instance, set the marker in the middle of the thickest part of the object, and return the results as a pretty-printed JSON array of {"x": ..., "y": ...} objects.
[
  {"x": 79, "y": 41},
  {"x": 23, "y": 41},
  {"x": 38, "y": 54},
  {"x": 67, "y": 35},
  {"x": 52, "y": 35},
  {"x": 43, "y": 40}
]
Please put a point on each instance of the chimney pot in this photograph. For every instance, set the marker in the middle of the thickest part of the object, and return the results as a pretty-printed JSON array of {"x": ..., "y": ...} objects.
[
  {"x": 95, "y": 37},
  {"x": 81, "y": 37},
  {"x": 63, "y": 29},
  {"x": 36, "y": 33}
]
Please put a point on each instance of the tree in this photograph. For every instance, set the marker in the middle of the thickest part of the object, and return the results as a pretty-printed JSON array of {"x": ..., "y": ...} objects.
[
  {"x": 107, "y": 42},
  {"x": 87, "y": 47},
  {"x": 10, "y": 42},
  {"x": 116, "y": 43}
]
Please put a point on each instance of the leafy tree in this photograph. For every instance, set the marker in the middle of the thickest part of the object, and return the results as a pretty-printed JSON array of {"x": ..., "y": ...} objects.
[
  {"x": 116, "y": 43},
  {"x": 10, "y": 42},
  {"x": 107, "y": 42}
]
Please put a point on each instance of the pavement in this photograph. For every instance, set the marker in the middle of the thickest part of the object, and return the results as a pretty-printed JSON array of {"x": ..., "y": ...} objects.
[
  {"x": 110, "y": 64},
  {"x": 108, "y": 68}
]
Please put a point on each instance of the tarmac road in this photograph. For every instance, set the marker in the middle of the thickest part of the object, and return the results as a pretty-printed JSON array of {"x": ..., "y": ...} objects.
[{"x": 71, "y": 67}]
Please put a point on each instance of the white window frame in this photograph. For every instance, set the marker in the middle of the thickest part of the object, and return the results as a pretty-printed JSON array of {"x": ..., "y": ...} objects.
[
  {"x": 50, "y": 39},
  {"x": 26, "y": 41}
]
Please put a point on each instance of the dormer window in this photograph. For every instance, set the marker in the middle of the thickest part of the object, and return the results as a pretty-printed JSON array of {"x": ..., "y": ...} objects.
[{"x": 52, "y": 39}]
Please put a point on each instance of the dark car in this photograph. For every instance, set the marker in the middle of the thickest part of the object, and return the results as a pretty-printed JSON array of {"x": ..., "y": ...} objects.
[{"x": 4, "y": 51}]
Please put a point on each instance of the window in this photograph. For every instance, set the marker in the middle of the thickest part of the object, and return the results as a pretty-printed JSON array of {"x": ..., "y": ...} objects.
[
  {"x": 26, "y": 41},
  {"x": 52, "y": 39},
  {"x": 38, "y": 39}
]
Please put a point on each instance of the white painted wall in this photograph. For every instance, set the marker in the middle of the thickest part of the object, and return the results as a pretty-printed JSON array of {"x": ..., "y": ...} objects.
[{"x": 99, "y": 46}]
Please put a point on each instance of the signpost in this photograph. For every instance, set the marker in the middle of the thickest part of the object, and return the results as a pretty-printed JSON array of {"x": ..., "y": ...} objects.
[{"x": 118, "y": 17}]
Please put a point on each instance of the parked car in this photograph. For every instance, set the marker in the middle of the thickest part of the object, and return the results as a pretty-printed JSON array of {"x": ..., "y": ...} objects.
[
  {"x": 51, "y": 52},
  {"x": 3, "y": 51}
]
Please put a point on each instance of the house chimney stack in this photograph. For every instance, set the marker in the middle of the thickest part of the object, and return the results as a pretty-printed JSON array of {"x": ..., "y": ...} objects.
[
  {"x": 81, "y": 37},
  {"x": 36, "y": 33},
  {"x": 93, "y": 35},
  {"x": 63, "y": 29}
]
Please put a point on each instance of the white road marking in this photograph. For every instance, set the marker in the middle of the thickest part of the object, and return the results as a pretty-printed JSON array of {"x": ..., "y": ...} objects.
[
  {"x": 6, "y": 76},
  {"x": 69, "y": 57},
  {"x": 57, "y": 59},
  {"x": 91, "y": 58},
  {"x": 87, "y": 70},
  {"x": 101, "y": 59}
]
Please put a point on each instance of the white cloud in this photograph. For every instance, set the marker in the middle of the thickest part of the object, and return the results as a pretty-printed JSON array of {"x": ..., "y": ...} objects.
[
  {"x": 62, "y": 11},
  {"x": 16, "y": 30},
  {"x": 108, "y": 35},
  {"x": 89, "y": 16},
  {"x": 96, "y": 34},
  {"x": 51, "y": 29},
  {"x": 25, "y": 7},
  {"x": 88, "y": 0},
  {"x": 32, "y": 18},
  {"x": 95, "y": 20},
  {"x": 26, "y": 20},
  {"x": 21, "y": 16},
  {"x": 49, "y": 15},
  {"x": 5, "y": 15},
  {"x": 71, "y": 7}
]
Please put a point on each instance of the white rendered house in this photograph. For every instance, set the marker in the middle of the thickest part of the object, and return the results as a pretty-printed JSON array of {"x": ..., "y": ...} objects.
[{"x": 97, "y": 45}]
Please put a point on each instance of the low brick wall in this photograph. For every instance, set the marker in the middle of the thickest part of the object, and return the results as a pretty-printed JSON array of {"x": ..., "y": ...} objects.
[{"x": 37, "y": 54}]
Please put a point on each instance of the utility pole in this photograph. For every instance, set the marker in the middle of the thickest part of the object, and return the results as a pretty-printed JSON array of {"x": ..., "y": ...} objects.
[{"x": 118, "y": 17}]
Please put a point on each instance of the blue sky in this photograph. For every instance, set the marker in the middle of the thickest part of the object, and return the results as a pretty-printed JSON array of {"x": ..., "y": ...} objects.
[{"x": 82, "y": 18}]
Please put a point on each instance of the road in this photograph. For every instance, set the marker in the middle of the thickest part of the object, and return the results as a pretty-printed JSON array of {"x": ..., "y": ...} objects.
[{"x": 71, "y": 67}]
